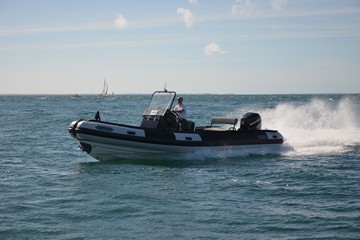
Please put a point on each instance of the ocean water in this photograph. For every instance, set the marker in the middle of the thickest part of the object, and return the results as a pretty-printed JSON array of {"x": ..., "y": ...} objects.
[{"x": 310, "y": 189}]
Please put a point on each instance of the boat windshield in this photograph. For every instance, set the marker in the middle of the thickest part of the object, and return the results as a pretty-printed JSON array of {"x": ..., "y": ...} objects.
[{"x": 159, "y": 103}]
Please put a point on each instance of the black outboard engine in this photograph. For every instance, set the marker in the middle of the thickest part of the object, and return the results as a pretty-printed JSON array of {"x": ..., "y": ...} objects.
[{"x": 250, "y": 121}]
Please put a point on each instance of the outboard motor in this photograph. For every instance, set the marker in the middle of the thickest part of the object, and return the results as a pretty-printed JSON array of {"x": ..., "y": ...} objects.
[{"x": 250, "y": 121}]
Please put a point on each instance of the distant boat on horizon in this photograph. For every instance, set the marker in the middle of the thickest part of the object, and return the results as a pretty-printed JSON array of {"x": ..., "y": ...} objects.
[
  {"x": 105, "y": 89},
  {"x": 75, "y": 96}
]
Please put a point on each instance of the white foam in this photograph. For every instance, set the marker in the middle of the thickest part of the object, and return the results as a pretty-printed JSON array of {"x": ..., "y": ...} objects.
[{"x": 317, "y": 127}]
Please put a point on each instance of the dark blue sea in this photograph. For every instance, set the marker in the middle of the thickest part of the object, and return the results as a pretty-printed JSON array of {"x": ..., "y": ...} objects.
[{"x": 310, "y": 189}]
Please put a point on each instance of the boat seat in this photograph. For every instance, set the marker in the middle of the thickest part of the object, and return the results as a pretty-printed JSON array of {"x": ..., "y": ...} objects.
[{"x": 224, "y": 120}]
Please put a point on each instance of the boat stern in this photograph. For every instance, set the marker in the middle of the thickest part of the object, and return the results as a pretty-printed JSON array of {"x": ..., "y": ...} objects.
[{"x": 275, "y": 136}]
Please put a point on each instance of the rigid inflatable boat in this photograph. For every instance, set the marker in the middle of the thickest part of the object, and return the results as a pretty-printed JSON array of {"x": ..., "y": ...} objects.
[{"x": 161, "y": 132}]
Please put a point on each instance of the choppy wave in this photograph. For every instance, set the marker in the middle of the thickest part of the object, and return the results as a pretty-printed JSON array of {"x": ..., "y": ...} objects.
[{"x": 51, "y": 190}]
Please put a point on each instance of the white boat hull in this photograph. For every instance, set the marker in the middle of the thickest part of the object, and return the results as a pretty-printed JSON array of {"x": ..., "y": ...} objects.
[{"x": 104, "y": 149}]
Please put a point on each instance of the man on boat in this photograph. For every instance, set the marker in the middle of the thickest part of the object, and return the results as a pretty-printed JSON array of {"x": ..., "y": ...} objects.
[
  {"x": 97, "y": 116},
  {"x": 180, "y": 109}
]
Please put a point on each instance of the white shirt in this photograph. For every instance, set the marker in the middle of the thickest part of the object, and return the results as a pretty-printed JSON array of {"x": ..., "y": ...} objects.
[{"x": 181, "y": 111}]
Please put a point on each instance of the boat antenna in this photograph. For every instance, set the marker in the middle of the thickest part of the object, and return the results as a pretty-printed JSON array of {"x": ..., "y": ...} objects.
[{"x": 165, "y": 90}]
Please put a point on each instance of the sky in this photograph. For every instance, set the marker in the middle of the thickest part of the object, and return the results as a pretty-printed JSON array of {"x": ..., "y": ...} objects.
[{"x": 192, "y": 46}]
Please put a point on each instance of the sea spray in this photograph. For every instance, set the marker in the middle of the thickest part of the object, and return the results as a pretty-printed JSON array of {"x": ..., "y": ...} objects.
[{"x": 320, "y": 126}]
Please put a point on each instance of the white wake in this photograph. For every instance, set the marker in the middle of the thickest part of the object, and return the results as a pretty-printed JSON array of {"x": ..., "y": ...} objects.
[{"x": 317, "y": 127}]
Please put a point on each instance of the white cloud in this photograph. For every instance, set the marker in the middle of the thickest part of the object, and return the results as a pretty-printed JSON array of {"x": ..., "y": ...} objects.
[
  {"x": 213, "y": 48},
  {"x": 121, "y": 22},
  {"x": 277, "y": 4},
  {"x": 186, "y": 16},
  {"x": 193, "y": 2},
  {"x": 243, "y": 8}
]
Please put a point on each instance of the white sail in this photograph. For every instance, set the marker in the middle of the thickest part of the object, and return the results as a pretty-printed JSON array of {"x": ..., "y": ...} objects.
[{"x": 105, "y": 88}]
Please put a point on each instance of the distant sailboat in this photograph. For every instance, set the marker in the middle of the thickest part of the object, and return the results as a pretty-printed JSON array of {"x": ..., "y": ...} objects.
[{"x": 105, "y": 89}]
